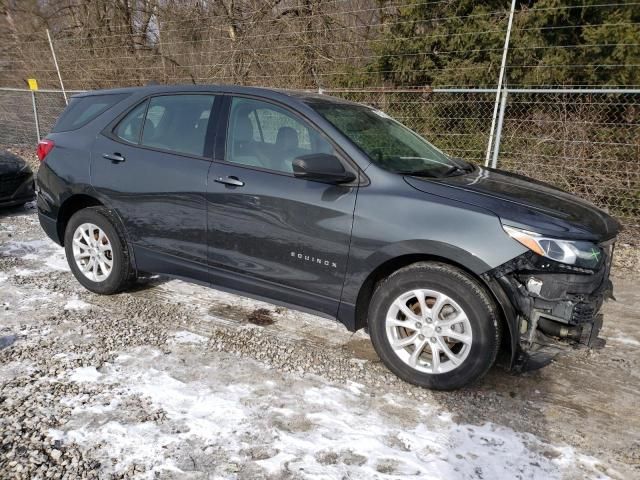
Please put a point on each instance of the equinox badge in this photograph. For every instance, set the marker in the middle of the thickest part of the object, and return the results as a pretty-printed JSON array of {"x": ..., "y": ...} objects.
[{"x": 319, "y": 261}]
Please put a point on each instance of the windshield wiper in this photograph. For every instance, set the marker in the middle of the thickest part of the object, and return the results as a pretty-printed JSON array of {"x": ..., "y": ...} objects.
[
  {"x": 454, "y": 169},
  {"x": 459, "y": 165}
]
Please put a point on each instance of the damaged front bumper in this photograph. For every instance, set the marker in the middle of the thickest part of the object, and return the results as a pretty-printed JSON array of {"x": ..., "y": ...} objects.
[{"x": 554, "y": 308}]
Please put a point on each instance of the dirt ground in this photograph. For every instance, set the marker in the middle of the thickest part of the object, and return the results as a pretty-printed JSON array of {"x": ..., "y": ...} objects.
[{"x": 174, "y": 380}]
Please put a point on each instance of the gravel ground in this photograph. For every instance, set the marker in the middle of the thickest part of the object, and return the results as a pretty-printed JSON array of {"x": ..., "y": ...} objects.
[{"x": 173, "y": 380}]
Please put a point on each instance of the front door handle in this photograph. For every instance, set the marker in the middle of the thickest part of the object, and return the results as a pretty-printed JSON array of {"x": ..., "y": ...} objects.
[
  {"x": 114, "y": 157},
  {"x": 233, "y": 181}
]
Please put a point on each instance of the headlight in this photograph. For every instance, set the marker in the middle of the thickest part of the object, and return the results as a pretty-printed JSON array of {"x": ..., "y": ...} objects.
[{"x": 571, "y": 252}]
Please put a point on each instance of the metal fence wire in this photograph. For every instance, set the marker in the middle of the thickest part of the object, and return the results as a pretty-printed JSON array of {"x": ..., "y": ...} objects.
[
  {"x": 17, "y": 121},
  {"x": 585, "y": 142}
]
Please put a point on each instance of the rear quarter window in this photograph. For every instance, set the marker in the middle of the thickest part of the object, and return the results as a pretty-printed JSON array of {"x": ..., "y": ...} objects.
[{"x": 82, "y": 110}]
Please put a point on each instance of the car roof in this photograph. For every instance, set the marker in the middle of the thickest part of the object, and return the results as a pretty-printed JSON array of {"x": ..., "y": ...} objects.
[{"x": 304, "y": 96}]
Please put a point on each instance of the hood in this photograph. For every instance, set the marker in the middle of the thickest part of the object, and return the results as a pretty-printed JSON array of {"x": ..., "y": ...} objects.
[
  {"x": 523, "y": 202},
  {"x": 10, "y": 163}
]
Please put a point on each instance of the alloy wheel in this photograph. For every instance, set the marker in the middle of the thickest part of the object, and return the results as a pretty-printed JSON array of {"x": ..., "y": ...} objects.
[
  {"x": 92, "y": 252},
  {"x": 428, "y": 331}
]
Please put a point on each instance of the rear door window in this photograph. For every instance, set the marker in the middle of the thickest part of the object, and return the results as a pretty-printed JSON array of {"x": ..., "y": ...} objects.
[
  {"x": 130, "y": 127},
  {"x": 82, "y": 110},
  {"x": 178, "y": 123}
]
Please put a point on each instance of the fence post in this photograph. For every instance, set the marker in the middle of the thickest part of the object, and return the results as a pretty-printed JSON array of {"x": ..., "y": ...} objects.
[
  {"x": 496, "y": 145},
  {"x": 35, "y": 114},
  {"x": 55, "y": 61},
  {"x": 500, "y": 80}
]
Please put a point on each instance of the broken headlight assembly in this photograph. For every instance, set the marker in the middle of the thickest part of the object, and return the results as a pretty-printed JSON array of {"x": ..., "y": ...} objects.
[{"x": 581, "y": 254}]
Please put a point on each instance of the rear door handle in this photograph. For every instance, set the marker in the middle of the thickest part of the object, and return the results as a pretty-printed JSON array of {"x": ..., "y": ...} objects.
[
  {"x": 233, "y": 181},
  {"x": 114, "y": 157}
]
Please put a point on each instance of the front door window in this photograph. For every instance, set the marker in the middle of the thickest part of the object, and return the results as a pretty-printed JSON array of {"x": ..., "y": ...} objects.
[{"x": 263, "y": 135}]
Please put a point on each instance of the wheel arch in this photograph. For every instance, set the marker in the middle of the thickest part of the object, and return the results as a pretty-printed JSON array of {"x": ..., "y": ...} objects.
[
  {"x": 391, "y": 265},
  {"x": 70, "y": 206},
  {"x": 80, "y": 201}
]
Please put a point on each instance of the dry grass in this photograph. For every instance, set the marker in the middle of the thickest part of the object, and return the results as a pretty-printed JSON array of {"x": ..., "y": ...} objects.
[
  {"x": 27, "y": 153},
  {"x": 626, "y": 259}
]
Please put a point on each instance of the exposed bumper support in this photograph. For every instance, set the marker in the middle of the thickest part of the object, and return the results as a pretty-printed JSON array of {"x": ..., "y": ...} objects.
[{"x": 556, "y": 308}]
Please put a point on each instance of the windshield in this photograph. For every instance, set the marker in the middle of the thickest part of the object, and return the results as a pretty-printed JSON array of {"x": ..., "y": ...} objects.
[{"x": 387, "y": 142}]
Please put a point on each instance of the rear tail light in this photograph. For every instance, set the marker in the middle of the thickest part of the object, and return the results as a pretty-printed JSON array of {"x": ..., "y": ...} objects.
[{"x": 44, "y": 147}]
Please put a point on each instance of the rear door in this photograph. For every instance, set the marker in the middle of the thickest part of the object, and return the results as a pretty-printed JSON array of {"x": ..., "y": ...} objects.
[
  {"x": 270, "y": 233},
  {"x": 152, "y": 166}
]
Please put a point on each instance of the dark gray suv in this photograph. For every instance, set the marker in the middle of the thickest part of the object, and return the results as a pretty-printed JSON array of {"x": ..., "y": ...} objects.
[{"x": 330, "y": 207}]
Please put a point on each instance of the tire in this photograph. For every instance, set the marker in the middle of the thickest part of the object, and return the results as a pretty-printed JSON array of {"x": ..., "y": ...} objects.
[
  {"x": 115, "y": 277},
  {"x": 454, "y": 303}
]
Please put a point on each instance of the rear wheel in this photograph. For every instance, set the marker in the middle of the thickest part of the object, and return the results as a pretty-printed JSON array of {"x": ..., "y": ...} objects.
[
  {"x": 435, "y": 326},
  {"x": 96, "y": 251}
]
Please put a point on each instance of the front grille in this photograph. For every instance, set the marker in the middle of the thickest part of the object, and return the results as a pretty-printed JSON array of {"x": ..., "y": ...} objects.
[{"x": 10, "y": 183}]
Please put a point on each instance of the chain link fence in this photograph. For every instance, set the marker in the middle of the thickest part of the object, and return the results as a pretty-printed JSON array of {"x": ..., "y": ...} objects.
[
  {"x": 19, "y": 123},
  {"x": 585, "y": 142},
  {"x": 588, "y": 144}
]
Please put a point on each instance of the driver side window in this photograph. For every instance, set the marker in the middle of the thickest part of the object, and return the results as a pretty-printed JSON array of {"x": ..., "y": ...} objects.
[{"x": 263, "y": 135}]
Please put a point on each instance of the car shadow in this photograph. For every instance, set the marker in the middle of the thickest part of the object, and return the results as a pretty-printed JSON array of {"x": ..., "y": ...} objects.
[{"x": 147, "y": 282}]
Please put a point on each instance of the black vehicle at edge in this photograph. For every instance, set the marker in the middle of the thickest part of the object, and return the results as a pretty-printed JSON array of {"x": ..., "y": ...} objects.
[
  {"x": 16, "y": 180},
  {"x": 330, "y": 207}
]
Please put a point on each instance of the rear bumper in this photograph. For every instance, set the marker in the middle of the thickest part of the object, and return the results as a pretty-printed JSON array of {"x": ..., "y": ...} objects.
[
  {"x": 50, "y": 227},
  {"x": 554, "y": 310}
]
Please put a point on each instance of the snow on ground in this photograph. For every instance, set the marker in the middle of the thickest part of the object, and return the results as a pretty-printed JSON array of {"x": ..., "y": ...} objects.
[
  {"x": 76, "y": 304},
  {"x": 623, "y": 337},
  {"x": 304, "y": 426},
  {"x": 85, "y": 374},
  {"x": 184, "y": 336}
]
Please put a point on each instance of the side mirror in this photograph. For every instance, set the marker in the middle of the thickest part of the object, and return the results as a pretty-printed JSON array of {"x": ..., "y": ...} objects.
[{"x": 321, "y": 167}]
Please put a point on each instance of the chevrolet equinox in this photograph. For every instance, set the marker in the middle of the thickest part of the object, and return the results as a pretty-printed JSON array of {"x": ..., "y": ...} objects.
[{"x": 330, "y": 207}]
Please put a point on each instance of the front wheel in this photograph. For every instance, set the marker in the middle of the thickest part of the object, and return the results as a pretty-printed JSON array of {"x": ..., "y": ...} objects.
[
  {"x": 434, "y": 325},
  {"x": 96, "y": 251}
]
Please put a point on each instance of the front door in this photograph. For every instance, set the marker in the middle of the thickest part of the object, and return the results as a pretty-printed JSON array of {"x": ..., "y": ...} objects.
[
  {"x": 153, "y": 169},
  {"x": 270, "y": 233}
]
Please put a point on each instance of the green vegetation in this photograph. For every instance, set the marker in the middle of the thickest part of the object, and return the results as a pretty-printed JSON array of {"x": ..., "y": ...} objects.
[{"x": 460, "y": 43}]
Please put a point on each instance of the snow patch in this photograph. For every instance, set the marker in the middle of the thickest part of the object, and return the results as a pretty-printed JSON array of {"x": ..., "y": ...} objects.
[
  {"x": 58, "y": 261},
  {"x": 55, "y": 434},
  {"x": 140, "y": 443},
  {"x": 43, "y": 250},
  {"x": 25, "y": 272},
  {"x": 624, "y": 340},
  {"x": 26, "y": 249},
  {"x": 85, "y": 374},
  {"x": 76, "y": 304},
  {"x": 185, "y": 336},
  {"x": 200, "y": 412}
]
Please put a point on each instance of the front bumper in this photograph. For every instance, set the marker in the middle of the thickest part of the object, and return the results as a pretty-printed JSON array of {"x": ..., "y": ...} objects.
[{"x": 556, "y": 307}]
